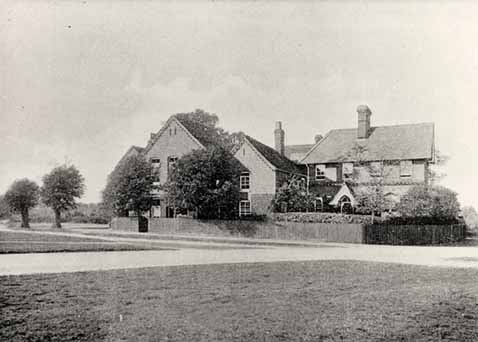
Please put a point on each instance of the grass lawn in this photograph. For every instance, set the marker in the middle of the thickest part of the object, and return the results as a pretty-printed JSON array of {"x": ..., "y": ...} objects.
[
  {"x": 21, "y": 242},
  {"x": 300, "y": 301}
]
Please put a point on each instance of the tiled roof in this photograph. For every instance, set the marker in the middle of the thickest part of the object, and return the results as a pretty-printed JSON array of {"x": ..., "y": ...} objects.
[
  {"x": 206, "y": 135},
  {"x": 275, "y": 158},
  {"x": 296, "y": 149},
  {"x": 401, "y": 142}
]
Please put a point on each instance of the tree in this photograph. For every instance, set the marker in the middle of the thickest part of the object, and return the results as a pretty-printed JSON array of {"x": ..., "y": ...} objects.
[
  {"x": 435, "y": 202},
  {"x": 470, "y": 216},
  {"x": 22, "y": 195},
  {"x": 206, "y": 181},
  {"x": 292, "y": 197},
  {"x": 4, "y": 208},
  {"x": 209, "y": 127},
  {"x": 60, "y": 189},
  {"x": 129, "y": 187},
  {"x": 369, "y": 179}
]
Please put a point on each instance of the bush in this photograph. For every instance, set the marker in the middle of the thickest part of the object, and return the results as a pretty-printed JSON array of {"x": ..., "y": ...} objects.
[
  {"x": 437, "y": 203},
  {"x": 323, "y": 218}
]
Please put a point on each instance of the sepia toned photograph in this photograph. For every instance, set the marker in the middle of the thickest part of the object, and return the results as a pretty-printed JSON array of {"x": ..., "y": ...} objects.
[{"x": 238, "y": 171}]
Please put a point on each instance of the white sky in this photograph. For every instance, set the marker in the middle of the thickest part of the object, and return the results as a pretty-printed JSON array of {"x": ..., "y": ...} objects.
[{"x": 82, "y": 81}]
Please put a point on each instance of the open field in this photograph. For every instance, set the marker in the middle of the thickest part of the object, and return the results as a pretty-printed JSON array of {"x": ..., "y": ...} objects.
[
  {"x": 21, "y": 242},
  {"x": 301, "y": 301}
]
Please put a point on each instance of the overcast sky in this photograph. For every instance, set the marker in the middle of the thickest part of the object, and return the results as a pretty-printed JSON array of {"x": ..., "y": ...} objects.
[{"x": 82, "y": 81}]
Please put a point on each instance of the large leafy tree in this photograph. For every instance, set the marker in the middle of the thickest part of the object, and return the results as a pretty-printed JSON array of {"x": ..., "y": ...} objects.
[
  {"x": 129, "y": 186},
  {"x": 292, "y": 197},
  {"x": 61, "y": 187},
  {"x": 435, "y": 202},
  {"x": 22, "y": 195},
  {"x": 209, "y": 125},
  {"x": 206, "y": 181}
]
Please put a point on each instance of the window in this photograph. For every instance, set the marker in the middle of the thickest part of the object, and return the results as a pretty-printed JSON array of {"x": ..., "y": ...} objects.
[
  {"x": 172, "y": 161},
  {"x": 406, "y": 168},
  {"x": 320, "y": 172},
  {"x": 347, "y": 170},
  {"x": 156, "y": 162},
  {"x": 244, "y": 208},
  {"x": 174, "y": 130},
  {"x": 245, "y": 181}
]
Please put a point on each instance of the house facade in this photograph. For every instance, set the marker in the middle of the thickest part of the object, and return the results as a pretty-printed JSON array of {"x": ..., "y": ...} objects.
[
  {"x": 398, "y": 157},
  {"x": 268, "y": 169}
]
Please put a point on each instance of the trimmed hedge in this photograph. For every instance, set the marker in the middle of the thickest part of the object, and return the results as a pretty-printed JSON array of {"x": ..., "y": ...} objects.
[{"x": 323, "y": 218}]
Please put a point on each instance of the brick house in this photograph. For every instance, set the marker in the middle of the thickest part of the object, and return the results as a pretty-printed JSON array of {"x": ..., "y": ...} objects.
[
  {"x": 177, "y": 137},
  {"x": 268, "y": 169},
  {"x": 346, "y": 158}
]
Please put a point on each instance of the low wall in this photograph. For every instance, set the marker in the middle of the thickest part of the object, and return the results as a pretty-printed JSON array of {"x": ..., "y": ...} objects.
[
  {"x": 413, "y": 234},
  {"x": 128, "y": 224},
  {"x": 254, "y": 229}
]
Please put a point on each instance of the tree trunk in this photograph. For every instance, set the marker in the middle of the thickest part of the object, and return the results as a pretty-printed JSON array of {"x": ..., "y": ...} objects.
[
  {"x": 25, "y": 221},
  {"x": 57, "y": 223}
]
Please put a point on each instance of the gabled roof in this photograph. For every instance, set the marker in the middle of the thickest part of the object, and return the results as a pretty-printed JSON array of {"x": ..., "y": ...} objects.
[
  {"x": 401, "y": 142},
  {"x": 277, "y": 160},
  {"x": 206, "y": 135},
  {"x": 296, "y": 149}
]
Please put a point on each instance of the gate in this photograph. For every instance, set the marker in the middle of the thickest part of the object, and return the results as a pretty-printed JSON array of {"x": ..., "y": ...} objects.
[{"x": 142, "y": 224}]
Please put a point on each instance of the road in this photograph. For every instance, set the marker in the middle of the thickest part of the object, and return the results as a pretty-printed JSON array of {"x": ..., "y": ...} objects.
[{"x": 16, "y": 264}]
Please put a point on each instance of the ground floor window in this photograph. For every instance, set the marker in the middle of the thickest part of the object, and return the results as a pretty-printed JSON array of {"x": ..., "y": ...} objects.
[{"x": 244, "y": 208}]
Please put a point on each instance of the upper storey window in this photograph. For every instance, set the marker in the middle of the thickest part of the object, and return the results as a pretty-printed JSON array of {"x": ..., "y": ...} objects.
[{"x": 406, "y": 168}]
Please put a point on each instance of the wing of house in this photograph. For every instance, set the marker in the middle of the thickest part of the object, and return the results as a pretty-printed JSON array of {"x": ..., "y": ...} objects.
[
  {"x": 403, "y": 153},
  {"x": 268, "y": 170}
]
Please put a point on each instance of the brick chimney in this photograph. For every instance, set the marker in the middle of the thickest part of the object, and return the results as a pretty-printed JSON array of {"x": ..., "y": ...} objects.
[
  {"x": 279, "y": 137},
  {"x": 317, "y": 138},
  {"x": 151, "y": 137},
  {"x": 363, "y": 128}
]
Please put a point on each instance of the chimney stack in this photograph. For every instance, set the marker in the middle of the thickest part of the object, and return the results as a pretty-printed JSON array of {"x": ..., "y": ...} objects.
[
  {"x": 317, "y": 138},
  {"x": 151, "y": 137},
  {"x": 279, "y": 137},
  {"x": 363, "y": 128}
]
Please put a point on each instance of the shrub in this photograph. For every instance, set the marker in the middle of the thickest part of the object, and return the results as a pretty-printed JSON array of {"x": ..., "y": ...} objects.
[{"x": 436, "y": 203}]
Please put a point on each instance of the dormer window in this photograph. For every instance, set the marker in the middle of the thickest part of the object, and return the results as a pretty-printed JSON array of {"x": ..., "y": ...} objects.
[
  {"x": 320, "y": 172},
  {"x": 406, "y": 168}
]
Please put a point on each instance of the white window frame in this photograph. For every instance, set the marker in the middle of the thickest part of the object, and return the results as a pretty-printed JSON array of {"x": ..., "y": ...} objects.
[
  {"x": 406, "y": 168},
  {"x": 156, "y": 162},
  {"x": 347, "y": 175},
  {"x": 320, "y": 171},
  {"x": 245, "y": 181},
  {"x": 244, "y": 210}
]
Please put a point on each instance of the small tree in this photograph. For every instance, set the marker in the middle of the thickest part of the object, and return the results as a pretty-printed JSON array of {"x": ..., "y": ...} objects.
[
  {"x": 292, "y": 197},
  {"x": 22, "y": 195},
  {"x": 435, "y": 202},
  {"x": 129, "y": 187},
  {"x": 206, "y": 181},
  {"x": 470, "y": 216},
  {"x": 60, "y": 189},
  {"x": 369, "y": 181}
]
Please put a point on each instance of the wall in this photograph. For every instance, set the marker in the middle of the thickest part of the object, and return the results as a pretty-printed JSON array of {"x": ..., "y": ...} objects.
[
  {"x": 262, "y": 178},
  {"x": 349, "y": 233},
  {"x": 172, "y": 144}
]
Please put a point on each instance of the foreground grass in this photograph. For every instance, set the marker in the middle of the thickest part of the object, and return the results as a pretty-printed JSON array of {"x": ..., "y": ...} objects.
[
  {"x": 24, "y": 242},
  {"x": 302, "y": 301}
]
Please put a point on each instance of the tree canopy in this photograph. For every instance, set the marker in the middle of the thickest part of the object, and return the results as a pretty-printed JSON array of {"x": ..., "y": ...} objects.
[
  {"x": 22, "y": 195},
  {"x": 206, "y": 181},
  {"x": 435, "y": 202},
  {"x": 129, "y": 186},
  {"x": 292, "y": 197},
  {"x": 61, "y": 187},
  {"x": 210, "y": 122}
]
